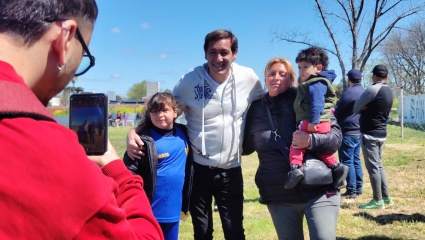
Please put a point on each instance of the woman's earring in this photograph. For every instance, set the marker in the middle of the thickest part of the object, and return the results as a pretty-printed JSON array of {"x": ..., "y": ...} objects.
[{"x": 61, "y": 67}]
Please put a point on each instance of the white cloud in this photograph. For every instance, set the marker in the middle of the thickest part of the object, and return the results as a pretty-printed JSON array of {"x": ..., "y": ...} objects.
[
  {"x": 145, "y": 26},
  {"x": 162, "y": 56},
  {"x": 116, "y": 76},
  {"x": 116, "y": 30}
]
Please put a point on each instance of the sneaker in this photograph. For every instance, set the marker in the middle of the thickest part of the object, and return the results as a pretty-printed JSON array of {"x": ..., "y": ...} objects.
[
  {"x": 388, "y": 201},
  {"x": 293, "y": 178},
  {"x": 349, "y": 195},
  {"x": 339, "y": 174},
  {"x": 373, "y": 204}
]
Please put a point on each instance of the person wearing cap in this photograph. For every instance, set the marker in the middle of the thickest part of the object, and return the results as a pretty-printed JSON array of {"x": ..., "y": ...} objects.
[
  {"x": 374, "y": 107},
  {"x": 349, "y": 152}
]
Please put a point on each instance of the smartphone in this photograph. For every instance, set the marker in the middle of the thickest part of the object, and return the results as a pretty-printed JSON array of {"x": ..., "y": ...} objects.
[{"x": 88, "y": 119}]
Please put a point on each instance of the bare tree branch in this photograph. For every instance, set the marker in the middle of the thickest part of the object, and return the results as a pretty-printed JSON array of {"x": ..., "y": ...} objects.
[{"x": 369, "y": 23}]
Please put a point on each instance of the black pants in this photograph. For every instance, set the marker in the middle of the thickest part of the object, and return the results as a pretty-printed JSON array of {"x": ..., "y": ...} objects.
[{"x": 226, "y": 185}]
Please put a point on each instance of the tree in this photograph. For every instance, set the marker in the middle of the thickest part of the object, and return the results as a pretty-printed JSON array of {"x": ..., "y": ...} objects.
[
  {"x": 65, "y": 95},
  {"x": 366, "y": 23},
  {"x": 137, "y": 91},
  {"x": 404, "y": 53}
]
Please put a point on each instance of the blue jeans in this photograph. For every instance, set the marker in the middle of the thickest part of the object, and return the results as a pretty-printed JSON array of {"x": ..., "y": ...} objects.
[{"x": 349, "y": 154}]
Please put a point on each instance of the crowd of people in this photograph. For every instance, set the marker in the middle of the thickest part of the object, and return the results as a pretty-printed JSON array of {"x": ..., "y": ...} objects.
[{"x": 170, "y": 170}]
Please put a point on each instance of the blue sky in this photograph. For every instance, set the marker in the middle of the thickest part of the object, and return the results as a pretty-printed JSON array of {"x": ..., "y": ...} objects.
[{"x": 159, "y": 41}]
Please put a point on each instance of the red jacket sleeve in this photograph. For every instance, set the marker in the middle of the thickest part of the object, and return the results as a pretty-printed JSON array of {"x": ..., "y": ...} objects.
[{"x": 127, "y": 214}]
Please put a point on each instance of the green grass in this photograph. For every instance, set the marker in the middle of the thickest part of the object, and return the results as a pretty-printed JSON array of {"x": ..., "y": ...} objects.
[{"x": 404, "y": 161}]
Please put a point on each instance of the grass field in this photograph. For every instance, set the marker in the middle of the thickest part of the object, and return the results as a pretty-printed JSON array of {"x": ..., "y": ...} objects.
[{"x": 404, "y": 161}]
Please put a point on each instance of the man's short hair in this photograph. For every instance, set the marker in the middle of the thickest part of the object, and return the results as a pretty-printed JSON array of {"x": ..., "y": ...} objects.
[
  {"x": 221, "y": 34},
  {"x": 313, "y": 55},
  {"x": 29, "y": 19}
]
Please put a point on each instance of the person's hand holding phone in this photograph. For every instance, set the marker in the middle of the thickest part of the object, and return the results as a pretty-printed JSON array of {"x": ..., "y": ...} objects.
[
  {"x": 109, "y": 156},
  {"x": 88, "y": 118},
  {"x": 135, "y": 145}
]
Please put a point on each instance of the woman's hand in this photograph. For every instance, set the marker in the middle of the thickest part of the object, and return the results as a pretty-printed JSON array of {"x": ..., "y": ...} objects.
[
  {"x": 301, "y": 139},
  {"x": 135, "y": 145}
]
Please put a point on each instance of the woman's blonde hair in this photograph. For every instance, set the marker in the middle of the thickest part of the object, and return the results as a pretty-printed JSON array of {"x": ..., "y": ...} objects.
[{"x": 289, "y": 68}]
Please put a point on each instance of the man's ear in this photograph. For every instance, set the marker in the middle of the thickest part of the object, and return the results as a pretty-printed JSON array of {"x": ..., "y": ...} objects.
[
  {"x": 319, "y": 67},
  {"x": 63, "y": 40},
  {"x": 235, "y": 55}
]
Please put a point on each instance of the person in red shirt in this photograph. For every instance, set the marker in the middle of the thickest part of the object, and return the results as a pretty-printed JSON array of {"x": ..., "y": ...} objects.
[{"x": 50, "y": 189}]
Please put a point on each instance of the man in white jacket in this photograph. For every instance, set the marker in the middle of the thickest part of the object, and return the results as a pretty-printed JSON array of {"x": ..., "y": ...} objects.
[{"x": 216, "y": 96}]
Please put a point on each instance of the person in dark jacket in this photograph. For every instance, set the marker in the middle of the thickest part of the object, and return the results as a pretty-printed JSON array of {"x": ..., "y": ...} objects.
[
  {"x": 349, "y": 152},
  {"x": 166, "y": 166},
  {"x": 288, "y": 207},
  {"x": 374, "y": 107}
]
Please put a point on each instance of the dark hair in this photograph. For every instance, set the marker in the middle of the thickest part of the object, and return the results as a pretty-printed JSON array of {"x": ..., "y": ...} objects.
[
  {"x": 221, "y": 34},
  {"x": 29, "y": 19},
  {"x": 313, "y": 55},
  {"x": 155, "y": 104},
  {"x": 355, "y": 80}
]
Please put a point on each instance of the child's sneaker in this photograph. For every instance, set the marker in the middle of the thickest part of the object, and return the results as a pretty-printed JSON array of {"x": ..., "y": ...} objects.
[
  {"x": 373, "y": 204},
  {"x": 339, "y": 174},
  {"x": 388, "y": 201},
  {"x": 294, "y": 177}
]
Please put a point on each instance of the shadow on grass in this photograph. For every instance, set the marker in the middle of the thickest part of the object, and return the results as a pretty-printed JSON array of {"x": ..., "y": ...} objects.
[
  {"x": 371, "y": 237},
  {"x": 251, "y": 200},
  {"x": 393, "y": 217}
]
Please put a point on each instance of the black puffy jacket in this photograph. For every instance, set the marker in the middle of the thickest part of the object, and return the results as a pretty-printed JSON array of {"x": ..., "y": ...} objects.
[
  {"x": 146, "y": 167},
  {"x": 274, "y": 167}
]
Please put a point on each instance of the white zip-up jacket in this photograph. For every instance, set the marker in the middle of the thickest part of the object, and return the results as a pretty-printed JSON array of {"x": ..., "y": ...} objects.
[{"x": 215, "y": 122}]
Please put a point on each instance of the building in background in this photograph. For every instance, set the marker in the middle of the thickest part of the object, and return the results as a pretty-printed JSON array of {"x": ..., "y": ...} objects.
[
  {"x": 112, "y": 96},
  {"x": 151, "y": 88}
]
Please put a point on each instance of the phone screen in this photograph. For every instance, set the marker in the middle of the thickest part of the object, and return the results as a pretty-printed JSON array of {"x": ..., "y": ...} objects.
[{"x": 88, "y": 119}]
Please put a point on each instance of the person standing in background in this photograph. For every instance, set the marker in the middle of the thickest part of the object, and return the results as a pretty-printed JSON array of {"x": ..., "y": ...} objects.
[
  {"x": 349, "y": 152},
  {"x": 374, "y": 107}
]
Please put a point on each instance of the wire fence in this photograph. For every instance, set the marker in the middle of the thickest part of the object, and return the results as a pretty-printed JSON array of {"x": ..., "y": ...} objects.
[{"x": 408, "y": 114}]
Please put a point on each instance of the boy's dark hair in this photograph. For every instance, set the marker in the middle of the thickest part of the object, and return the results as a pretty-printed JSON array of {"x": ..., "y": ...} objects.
[
  {"x": 29, "y": 19},
  {"x": 221, "y": 34},
  {"x": 313, "y": 55},
  {"x": 155, "y": 104}
]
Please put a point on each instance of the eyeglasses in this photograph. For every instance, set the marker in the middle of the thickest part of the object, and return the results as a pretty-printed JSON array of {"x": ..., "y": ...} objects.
[{"x": 88, "y": 60}]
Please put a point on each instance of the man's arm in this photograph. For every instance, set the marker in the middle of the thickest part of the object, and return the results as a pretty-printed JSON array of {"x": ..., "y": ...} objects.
[
  {"x": 127, "y": 213},
  {"x": 368, "y": 95}
]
